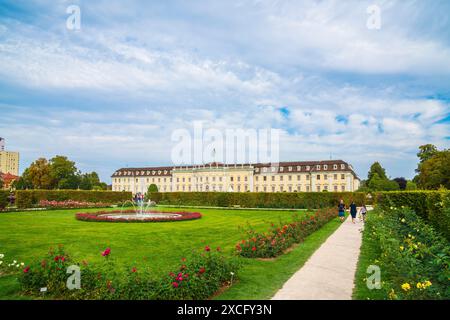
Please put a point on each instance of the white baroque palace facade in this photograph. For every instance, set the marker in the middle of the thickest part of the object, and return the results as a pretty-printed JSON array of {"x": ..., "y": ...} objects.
[{"x": 303, "y": 176}]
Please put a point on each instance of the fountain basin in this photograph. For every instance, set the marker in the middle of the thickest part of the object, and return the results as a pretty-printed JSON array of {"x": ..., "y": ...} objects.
[{"x": 133, "y": 216}]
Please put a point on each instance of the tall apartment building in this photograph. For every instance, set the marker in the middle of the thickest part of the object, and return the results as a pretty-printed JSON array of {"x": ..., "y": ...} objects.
[
  {"x": 9, "y": 161},
  {"x": 303, "y": 176}
]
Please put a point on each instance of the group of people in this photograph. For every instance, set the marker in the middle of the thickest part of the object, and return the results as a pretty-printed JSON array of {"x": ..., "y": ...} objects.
[{"x": 353, "y": 211}]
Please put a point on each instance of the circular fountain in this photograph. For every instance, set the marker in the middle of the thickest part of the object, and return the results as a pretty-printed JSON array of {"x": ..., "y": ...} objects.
[{"x": 139, "y": 213}]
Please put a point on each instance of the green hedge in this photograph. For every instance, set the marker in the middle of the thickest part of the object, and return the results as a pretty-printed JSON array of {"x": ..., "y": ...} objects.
[
  {"x": 433, "y": 206},
  {"x": 30, "y": 198},
  {"x": 297, "y": 200},
  {"x": 3, "y": 199}
]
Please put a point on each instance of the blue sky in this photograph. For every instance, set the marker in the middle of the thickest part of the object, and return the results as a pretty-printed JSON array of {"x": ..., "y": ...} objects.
[{"x": 110, "y": 95}]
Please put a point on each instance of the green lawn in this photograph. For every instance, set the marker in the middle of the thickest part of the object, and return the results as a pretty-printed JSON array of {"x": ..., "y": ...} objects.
[{"x": 25, "y": 236}]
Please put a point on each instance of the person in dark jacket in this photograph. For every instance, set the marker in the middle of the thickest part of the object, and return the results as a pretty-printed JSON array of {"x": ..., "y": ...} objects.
[
  {"x": 353, "y": 211},
  {"x": 341, "y": 210}
]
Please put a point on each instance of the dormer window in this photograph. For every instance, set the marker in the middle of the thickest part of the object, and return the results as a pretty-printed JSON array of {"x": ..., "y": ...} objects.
[
  {"x": 325, "y": 167},
  {"x": 318, "y": 167},
  {"x": 335, "y": 167},
  {"x": 299, "y": 168},
  {"x": 308, "y": 168},
  {"x": 274, "y": 169},
  {"x": 290, "y": 168},
  {"x": 281, "y": 169},
  {"x": 264, "y": 169},
  {"x": 342, "y": 166}
]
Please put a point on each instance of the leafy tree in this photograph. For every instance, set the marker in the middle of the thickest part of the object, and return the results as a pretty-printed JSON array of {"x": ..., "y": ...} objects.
[
  {"x": 1, "y": 183},
  {"x": 435, "y": 171},
  {"x": 152, "y": 188},
  {"x": 64, "y": 172},
  {"x": 379, "y": 184},
  {"x": 426, "y": 152},
  {"x": 38, "y": 175},
  {"x": 401, "y": 182},
  {"x": 376, "y": 168},
  {"x": 410, "y": 185}
]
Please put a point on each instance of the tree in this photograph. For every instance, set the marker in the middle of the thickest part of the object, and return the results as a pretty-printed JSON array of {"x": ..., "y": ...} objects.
[
  {"x": 435, "y": 171},
  {"x": 1, "y": 183},
  {"x": 376, "y": 168},
  {"x": 64, "y": 172},
  {"x": 401, "y": 183},
  {"x": 152, "y": 188},
  {"x": 426, "y": 152},
  {"x": 379, "y": 184},
  {"x": 411, "y": 186},
  {"x": 38, "y": 175}
]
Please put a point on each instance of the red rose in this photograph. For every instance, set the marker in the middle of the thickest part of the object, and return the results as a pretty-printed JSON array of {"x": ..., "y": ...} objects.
[
  {"x": 106, "y": 252},
  {"x": 175, "y": 284},
  {"x": 253, "y": 248},
  {"x": 202, "y": 270},
  {"x": 172, "y": 274},
  {"x": 134, "y": 270},
  {"x": 26, "y": 270},
  {"x": 207, "y": 248}
]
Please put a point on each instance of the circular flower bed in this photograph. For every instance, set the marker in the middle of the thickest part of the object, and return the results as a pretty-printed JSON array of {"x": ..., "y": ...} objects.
[{"x": 132, "y": 216}]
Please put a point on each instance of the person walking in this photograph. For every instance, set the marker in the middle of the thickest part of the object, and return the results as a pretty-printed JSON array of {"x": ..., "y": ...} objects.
[
  {"x": 363, "y": 212},
  {"x": 353, "y": 211},
  {"x": 341, "y": 209}
]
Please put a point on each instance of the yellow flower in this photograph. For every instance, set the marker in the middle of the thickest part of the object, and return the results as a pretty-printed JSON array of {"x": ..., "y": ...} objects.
[
  {"x": 427, "y": 283},
  {"x": 402, "y": 248},
  {"x": 419, "y": 285},
  {"x": 406, "y": 286}
]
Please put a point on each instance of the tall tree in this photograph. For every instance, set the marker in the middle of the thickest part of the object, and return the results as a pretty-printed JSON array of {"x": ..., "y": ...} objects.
[
  {"x": 378, "y": 169},
  {"x": 435, "y": 171},
  {"x": 39, "y": 174},
  {"x": 426, "y": 152},
  {"x": 64, "y": 172}
]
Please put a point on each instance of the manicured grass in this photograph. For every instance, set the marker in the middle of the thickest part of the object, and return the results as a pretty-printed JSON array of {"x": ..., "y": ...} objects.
[
  {"x": 26, "y": 236},
  {"x": 261, "y": 279}
]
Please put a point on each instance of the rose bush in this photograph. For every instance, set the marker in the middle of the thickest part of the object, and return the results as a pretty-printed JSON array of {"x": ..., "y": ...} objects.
[
  {"x": 198, "y": 276},
  {"x": 280, "y": 237},
  {"x": 414, "y": 258}
]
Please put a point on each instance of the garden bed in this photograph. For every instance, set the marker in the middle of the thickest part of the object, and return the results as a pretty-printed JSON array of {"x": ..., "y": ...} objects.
[{"x": 132, "y": 216}]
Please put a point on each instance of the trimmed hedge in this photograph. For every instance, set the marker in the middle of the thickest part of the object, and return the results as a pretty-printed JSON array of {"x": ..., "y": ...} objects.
[
  {"x": 295, "y": 200},
  {"x": 3, "y": 199},
  {"x": 31, "y": 198},
  {"x": 433, "y": 206}
]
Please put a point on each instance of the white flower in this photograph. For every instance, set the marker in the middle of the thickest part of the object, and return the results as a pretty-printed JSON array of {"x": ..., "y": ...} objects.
[
  {"x": 15, "y": 261},
  {"x": 1, "y": 262},
  {"x": 2, "y": 255},
  {"x": 232, "y": 273},
  {"x": 22, "y": 264}
]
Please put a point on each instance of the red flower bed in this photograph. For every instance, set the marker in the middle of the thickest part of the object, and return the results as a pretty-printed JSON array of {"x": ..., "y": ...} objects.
[
  {"x": 105, "y": 216},
  {"x": 275, "y": 241},
  {"x": 71, "y": 204}
]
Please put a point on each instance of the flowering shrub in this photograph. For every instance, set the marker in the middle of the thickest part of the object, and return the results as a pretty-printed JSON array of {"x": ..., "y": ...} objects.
[
  {"x": 67, "y": 204},
  {"x": 198, "y": 276},
  {"x": 276, "y": 240},
  {"x": 104, "y": 216},
  {"x": 11, "y": 267},
  {"x": 414, "y": 258}
]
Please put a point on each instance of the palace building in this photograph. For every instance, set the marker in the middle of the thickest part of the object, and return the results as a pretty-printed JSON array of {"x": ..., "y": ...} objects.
[
  {"x": 303, "y": 176},
  {"x": 9, "y": 160}
]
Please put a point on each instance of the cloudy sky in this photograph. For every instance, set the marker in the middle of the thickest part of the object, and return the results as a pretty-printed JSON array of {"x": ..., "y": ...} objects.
[{"x": 111, "y": 94}]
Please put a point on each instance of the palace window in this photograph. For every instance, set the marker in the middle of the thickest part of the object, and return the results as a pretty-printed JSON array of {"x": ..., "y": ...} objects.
[
  {"x": 281, "y": 178},
  {"x": 318, "y": 177},
  {"x": 325, "y": 167},
  {"x": 299, "y": 168},
  {"x": 342, "y": 166},
  {"x": 335, "y": 166},
  {"x": 335, "y": 177},
  {"x": 264, "y": 178},
  {"x": 325, "y": 177},
  {"x": 273, "y": 178},
  {"x": 281, "y": 169},
  {"x": 290, "y": 168},
  {"x": 342, "y": 176},
  {"x": 318, "y": 167},
  {"x": 290, "y": 178}
]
